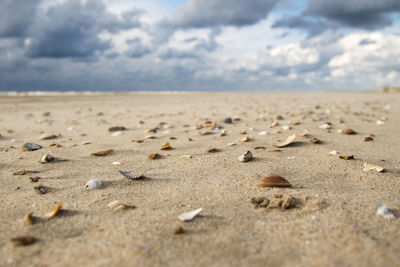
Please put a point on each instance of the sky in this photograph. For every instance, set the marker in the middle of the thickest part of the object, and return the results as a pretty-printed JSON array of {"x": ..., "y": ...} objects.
[{"x": 199, "y": 45}]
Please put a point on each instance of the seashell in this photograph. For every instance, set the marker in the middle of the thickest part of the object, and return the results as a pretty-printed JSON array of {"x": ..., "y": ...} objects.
[
  {"x": 71, "y": 128},
  {"x": 23, "y": 240},
  {"x": 116, "y": 205},
  {"x": 93, "y": 184},
  {"x": 102, "y": 153},
  {"x": 20, "y": 172},
  {"x": 228, "y": 120},
  {"x": 274, "y": 123},
  {"x": 296, "y": 122},
  {"x": 209, "y": 124},
  {"x": 348, "y": 131},
  {"x": 273, "y": 180},
  {"x": 139, "y": 141},
  {"x": 286, "y": 128},
  {"x": 150, "y": 137},
  {"x": 86, "y": 143},
  {"x": 116, "y": 163},
  {"x": 212, "y": 149},
  {"x": 379, "y": 122},
  {"x": 34, "y": 179},
  {"x": 263, "y": 133},
  {"x": 47, "y": 159},
  {"x": 315, "y": 140},
  {"x": 166, "y": 146},
  {"x": 305, "y": 133},
  {"x": 117, "y": 133},
  {"x": 334, "y": 152},
  {"x": 382, "y": 210},
  {"x": 30, "y": 147},
  {"x": 287, "y": 142},
  {"x": 40, "y": 189},
  {"x": 29, "y": 218},
  {"x": 223, "y": 132},
  {"x": 260, "y": 147},
  {"x": 130, "y": 175},
  {"x": 368, "y": 139},
  {"x": 347, "y": 157},
  {"x": 245, "y": 139},
  {"x": 187, "y": 156},
  {"x": 152, "y": 130},
  {"x": 237, "y": 119},
  {"x": 116, "y": 129},
  {"x": 231, "y": 144},
  {"x": 179, "y": 230},
  {"x": 55, "y": 144},
  {"x": 243, "y": 132},
  {"x": 206, "y": 132},
  {"x": 275, "y": 150},
  {"x": 54, "y": 212},
  {"x": 153, "y": 156},
  {"x": 247, "y": 156},
  {"x": 47, "y": 136},
  {"x": 188, "y": 216},
  {"x": 291, "y": 157},
  {"x": 370, "y": 166},
  {"x": 326, "y": 125}
]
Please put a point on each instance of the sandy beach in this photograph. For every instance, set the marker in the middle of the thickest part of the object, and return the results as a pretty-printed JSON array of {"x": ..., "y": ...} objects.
[{"x": 332, "y": 220}]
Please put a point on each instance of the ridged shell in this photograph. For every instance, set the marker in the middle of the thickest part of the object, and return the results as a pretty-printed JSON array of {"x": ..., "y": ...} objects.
[
  {"x": 348, "y": 131},
  {"x": 273, "y": 180},
  {"x": 93, "y": 184}
]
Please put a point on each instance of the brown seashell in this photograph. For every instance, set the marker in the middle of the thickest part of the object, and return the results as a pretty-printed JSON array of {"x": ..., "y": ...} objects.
[
  {"x": 179, "y": 230},
  {"x": 166, "y": 146},
  {"x": 55, "y": 144},
  {"x": 212, "y": 149},
  {"x": 47, "y": 136},
  {"x": 116, "y": 129},
  {"x": 273, "y": 180},
  {"x": 275, "y": 150},
  {"x": 102, "y": 153},
  {"x": 206, "y": 132},
  {"x": 260, "y": 147},
  {"x": 34, "y": 179},
  {"x": 209, "y": 124},
  {"x": 368, "y": 139},
  {"x": 348, "y": 131},
  {"x": 287, "y": 142},
  {"x": 23, "y": 240},
  {"x": 153, "y": 156},
  {"x": 29, "y": 218},
  {"x": 152, "y": 130},
  {"x": 54, "y": 212},
  {"x": 296, "y": 122},
  {"x": 315, "y": 140},
  {"x": 347, "y": 157},
  {"x": 139, "y": 141},
  {"x": 245, "y": 139},
  {"x": 20, "y": 172}
]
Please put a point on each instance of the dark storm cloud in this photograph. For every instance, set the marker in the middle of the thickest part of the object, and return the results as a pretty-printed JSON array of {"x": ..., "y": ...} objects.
[
  {"x": 72, "y": 29},
  {"x": 211, "y": 13},
  {"x": 313, "y": 27},
  {"x": 16, "y": 16},
  {"x": 136, "y": 48}
]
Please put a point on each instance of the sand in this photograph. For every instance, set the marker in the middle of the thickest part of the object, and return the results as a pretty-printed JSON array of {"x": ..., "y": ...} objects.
[{"x": 334, "y": 224}]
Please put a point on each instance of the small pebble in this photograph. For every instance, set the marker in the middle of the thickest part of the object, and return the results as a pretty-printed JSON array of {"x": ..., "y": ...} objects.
[{"x": 93, "y": 184}]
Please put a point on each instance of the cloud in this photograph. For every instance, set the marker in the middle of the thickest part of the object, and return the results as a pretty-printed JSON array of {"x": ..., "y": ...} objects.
[
  {"x": 312, "y": 26},
  {"x": 16, "y": 16},
  {"x": 136, "y": 48},
  {"x": 71, "y": 29}
]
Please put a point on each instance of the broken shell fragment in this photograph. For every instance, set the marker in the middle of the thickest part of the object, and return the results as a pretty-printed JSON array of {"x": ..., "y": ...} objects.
[
  {"x": 315, "y": 140},
  {"x": 370, "y": 166},
  {"x": 287, "y": 142},
  {"x": 273, "y": 180},
  {"x": 47, "y": 159},
  {"x": 29, "y": 218},
  {"x": 20, "y": 172},
  {"x": 41, "y": 189},
  {"x": 231, "y": 144},
  {"x": 379, "y": 122},
  {"x": 274, "y": 123},
  {"x": 34, "y": 179},
  {"x": 30, "y": 147},
  {"x": 54, "y": 212},
  {"x": 116, "y": 129},
  {"x": 245, "y": 139},
  {"x": 263, "y": 133},
  {"x": 305, "y": 133},
  {"x": 348, "y": 131},
  {"x": 23, "y": 240},
  {"x": 56, "y": 144},
  {"x": 382, "y": 210},
  {"x": 188, "y": 216},
  {"x": 179, "y": 230},
  {"x": 47, "y": 136},
  {"x": 130, "y": 175},
  {"x": 285, "y": 128},
  {"x": 206, "y": 132},
  {"x": 116, "y": 205},
  {"x": 326, "y": 125},
  {"x": 166, "y": 146},
  {"x": 93, "y": 184},
  {"x": 334, "y": 152},
  {"x": 102, "y": 153},
  {"x": 153, "y": 156},
  {"x": 228, "y": 120},
  {"x": 212, "y": 149},
  {"x": 368, "y": 139},
  {"x": 347, "y": 157},
  {"x": 247, "y": 156}
]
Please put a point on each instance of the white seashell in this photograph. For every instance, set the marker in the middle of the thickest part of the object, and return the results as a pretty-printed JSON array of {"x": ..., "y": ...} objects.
[
  {"x": 379, "y": 122},
  {"x": 325, "y": 126},
  {"x": 150, "y": 137},
  {"x": 247, "y": 156},
  {"x": 223, "y": 132},
  {"x": 93, "y": 184},
  {"x": 231, "y": 144},
  {"x": 263, "y": 133},
  {"x": 291, "y": 157},
  {"x": 285, "y": 127},
  {"x": 118, "y": 133},
  {"x": 370, "y": 166},
  {"x": 340, "y": 131},
  {"x": 116, "y": 205},
  {"x": 188, "y": 216},
  {"x": 382, "y": 210},
  {"x": 70, "y": 128},
  {"x": 334, "y": 152},
  {"x": 116, "y": 163}
]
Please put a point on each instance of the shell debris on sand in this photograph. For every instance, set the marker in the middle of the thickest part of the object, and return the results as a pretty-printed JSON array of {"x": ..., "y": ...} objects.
[
  {"x": 247, "y": 156},
  {"x": 245, "y": 139},
  {"x": 273, "y": 180},
  {"x": 116, "y": 129},
  {"x": 116, "y": 205},
  {"x": 47, "y": 159},
  {"x": 346, "y": 157},
  {"x": 54, "y": 212},
  {"x": 23, "y": 240},
  {"x": 212, "y": 149},
  {"x": 370, "y": 166},
  {"x": 188, "y": 216},
  {"x": 93, "y": 184},
  {"x": 166, "y": 146},
  {"x": 330, "y": 154},
  {"x": 20, "y": 172},
  {"x": 47, "y": 136},
  {"x": 30, "y": 147},
  {"x": 154, "y": 156},
  {"x": 29, "y": 218},
  {"x": 130, "y": 175},
  {"x": 101, "y": 153},
  {"x": 348, "y": 131},
  {"x": 289, "y": 140},
  {"x": 382, "y": 210}
]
